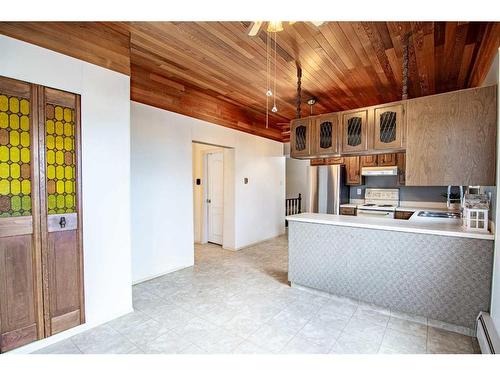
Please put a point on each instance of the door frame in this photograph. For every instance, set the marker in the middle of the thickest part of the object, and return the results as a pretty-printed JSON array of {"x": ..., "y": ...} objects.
[{"x": 205, "y": 218}]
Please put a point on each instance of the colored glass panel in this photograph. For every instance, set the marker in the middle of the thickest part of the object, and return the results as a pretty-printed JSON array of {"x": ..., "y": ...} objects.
[
  {"x": 60, "y": 158},
  {"x": 15, "y": 156}
]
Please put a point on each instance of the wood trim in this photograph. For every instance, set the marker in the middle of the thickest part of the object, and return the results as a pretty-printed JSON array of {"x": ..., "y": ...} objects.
[
  {"x": 66, "y": 321},
  {"x": 59, "y": 97},
  {"x": 17, "y": 338},
  {"x": 79, "y": 202},
  {"x": 35, "y": 209},
  {"x": 43, "y": 211},
  {"x": 15, "y": 87},
  {"x": 16, "y": 226}
]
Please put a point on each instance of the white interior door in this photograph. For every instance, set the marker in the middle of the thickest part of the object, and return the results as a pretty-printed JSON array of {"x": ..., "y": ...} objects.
[{"x": 215, "y": 196}]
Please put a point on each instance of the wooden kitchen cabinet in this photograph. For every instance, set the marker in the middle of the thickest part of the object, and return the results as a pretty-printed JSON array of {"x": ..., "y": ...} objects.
[
  {"x": 325, "y": 135},
  {"x": 355, "y": 131},
  {"x": 353, "y": 170},
  {"x": 350, "y": 211},
  {"x": 386, "y": 160},
  {"x": 403, "y": 215},
  {"x": 452, "y": 138},
  {"x": 368, "y": 160},
  {"x": 300, "y": 138},
  {"x": 401, "y": 163},
  {"x": 389, "y": 127}
]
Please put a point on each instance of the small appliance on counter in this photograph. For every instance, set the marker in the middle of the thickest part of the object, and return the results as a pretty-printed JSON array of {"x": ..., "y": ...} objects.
[
  {"x": 381, "y": 203},
  {"x": 475, "y": 212}
]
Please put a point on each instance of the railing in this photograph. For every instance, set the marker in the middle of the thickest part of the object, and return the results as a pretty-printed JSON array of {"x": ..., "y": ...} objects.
[{"x": 293, "y": 206}]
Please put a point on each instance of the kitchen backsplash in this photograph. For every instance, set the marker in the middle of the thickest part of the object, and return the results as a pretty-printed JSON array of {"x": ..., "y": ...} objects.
[
  {"x": 415, "y": 193},
  {"x": 406, "y": 193}
]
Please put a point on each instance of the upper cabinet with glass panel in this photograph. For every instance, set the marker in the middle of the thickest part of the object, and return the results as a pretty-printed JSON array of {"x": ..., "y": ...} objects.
[
  {"x": 326, "y": 135},
  {"x": 389, "y": 127},
  {"x": 354, "y": 131},
  {"x": 300, "y": 138}
]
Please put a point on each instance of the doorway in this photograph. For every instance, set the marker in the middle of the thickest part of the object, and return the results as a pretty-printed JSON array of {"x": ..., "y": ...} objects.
[
  {"x": 214, "y": 193},
  {"x": 213, "y": 181}
]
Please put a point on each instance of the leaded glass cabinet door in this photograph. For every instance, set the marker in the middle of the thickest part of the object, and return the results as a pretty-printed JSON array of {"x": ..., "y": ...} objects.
[
  {"x": 325, "y": 137},
  {"x": 21, "y": 318},
  {"x": 354, "y": 131},
  {"x": 389, "y": 127},
  {"x": 300, "y": 138},
  {"x": 61, "y": 210}
]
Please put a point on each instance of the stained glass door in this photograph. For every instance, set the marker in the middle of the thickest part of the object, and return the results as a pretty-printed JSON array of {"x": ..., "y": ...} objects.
[
  {"x": 60, "y": 207},
  {"x": 21, "y": 315}
]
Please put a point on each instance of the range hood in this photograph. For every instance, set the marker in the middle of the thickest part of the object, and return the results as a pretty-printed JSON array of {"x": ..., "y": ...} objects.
[{"x": 379, "y": 171}]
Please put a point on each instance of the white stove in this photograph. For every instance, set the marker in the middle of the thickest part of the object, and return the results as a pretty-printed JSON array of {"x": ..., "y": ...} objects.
[{"x": 379, "y": 203}]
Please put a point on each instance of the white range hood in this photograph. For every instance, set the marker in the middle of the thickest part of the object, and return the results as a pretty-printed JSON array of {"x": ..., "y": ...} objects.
[{"x": 379, "y": 171}]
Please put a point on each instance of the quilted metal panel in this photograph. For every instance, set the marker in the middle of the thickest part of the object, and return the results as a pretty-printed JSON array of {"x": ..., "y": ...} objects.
[{"x": 443, "y": 278}]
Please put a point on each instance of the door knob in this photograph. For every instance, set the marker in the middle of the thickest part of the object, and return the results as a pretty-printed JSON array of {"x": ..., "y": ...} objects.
[{"x": 62, "y": 222}]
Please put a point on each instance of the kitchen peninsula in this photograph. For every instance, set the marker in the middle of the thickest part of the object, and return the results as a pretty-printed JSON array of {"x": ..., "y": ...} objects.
[{"x": 440, "y": 271}]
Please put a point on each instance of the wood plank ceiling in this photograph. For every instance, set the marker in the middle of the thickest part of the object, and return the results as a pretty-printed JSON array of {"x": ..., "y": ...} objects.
[{"x": 215, "y": 72}]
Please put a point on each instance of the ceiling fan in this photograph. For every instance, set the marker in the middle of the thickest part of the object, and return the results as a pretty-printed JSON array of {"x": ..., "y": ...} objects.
[{"x": 274, "y": 26}]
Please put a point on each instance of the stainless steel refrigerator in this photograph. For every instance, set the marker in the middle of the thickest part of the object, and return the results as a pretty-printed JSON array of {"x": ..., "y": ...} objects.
[{"x": 327, "y": 189}]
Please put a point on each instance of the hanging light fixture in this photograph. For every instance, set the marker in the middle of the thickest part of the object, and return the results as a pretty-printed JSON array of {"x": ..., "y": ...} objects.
[
  {"x": 271, "y": 65},
  {"x": 274, "y": 26},
  {"x": 274, "y": 109}
]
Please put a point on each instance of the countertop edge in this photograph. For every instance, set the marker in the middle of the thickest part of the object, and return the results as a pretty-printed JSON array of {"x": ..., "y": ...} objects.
[{"x": 413, "y": 229}]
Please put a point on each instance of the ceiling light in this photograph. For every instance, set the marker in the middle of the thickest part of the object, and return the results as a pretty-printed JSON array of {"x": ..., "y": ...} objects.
[{"x": 274, "y": 26}]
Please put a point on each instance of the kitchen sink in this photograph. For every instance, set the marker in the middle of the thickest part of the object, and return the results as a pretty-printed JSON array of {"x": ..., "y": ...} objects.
[{"x": 440, "y": 214}]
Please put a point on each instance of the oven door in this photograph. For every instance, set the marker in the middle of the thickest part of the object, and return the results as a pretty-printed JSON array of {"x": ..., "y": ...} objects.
[{"x": 376, "y": 213}]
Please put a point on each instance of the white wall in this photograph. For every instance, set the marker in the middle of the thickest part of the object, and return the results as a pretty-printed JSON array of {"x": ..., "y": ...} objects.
[
  {"x": 162, "y": 228},
  {"x": 491, "y": 79},
  {"x": 105, "y": 170},
  {"x": 297, "y": 176}
]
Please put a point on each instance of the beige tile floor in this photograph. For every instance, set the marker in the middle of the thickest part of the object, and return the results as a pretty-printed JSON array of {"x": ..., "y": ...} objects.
[{"x": 240, "y": 302}]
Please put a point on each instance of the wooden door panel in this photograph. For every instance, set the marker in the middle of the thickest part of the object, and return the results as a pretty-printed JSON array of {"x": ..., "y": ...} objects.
[
  {"x": 18, "y": 323},
  {"x": 21, "y": 315},
  {"x": 61, "y": 211},
  {"x": 64, "y": 280}
]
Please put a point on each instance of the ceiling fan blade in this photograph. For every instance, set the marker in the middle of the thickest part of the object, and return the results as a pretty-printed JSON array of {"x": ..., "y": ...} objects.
[{"x": 254, "y": 28}]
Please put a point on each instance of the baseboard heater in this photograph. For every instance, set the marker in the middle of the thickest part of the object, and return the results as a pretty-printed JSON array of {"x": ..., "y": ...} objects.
[{"x": 486, "y": 334}]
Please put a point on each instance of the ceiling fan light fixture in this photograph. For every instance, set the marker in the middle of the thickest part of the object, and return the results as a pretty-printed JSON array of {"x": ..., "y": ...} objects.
[{"x": 274, "y": 26}]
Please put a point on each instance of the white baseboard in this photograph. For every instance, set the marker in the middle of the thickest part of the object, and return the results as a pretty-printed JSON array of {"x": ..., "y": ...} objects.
[
  {"x": 254, "y": 243},
  {"x": 40, "y": 344},
  {"x": 138, "y": 281}
]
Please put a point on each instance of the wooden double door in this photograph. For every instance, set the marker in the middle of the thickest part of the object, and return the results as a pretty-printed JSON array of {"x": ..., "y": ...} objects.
[{"x": 41, "y": 265}]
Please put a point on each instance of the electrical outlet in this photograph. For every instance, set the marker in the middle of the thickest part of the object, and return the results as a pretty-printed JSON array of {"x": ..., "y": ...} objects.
[{"x": 358, "y": 191}]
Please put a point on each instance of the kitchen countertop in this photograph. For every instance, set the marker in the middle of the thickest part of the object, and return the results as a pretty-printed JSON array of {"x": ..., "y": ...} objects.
[{"x": 440, "y": 229}]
